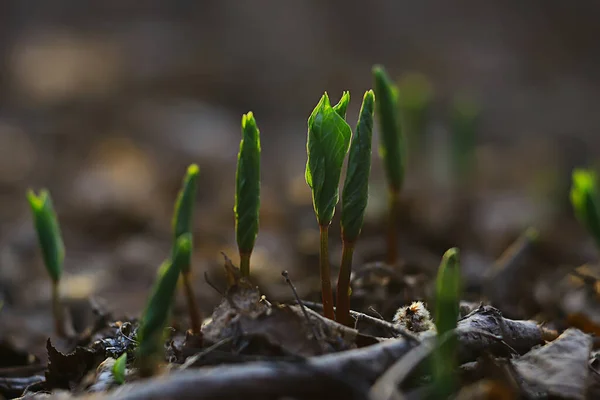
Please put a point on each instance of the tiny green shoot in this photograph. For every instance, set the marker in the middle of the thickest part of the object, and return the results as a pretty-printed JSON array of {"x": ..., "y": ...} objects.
[
  {"x": 586, "y": 202},
  {"x": 327, "y": 144},
  {"x": 354, "y": 201},
  {"x": 156, "y": 314},
  {"x": 118, "y": 369},
  {"x": 415, "y": 103},
  {"x": 247, "y": 191},
  {"x": 447, "y": 303},
  {"x": 392, "y": 150},
  {"x": 183, "y": 219},
  {"x": 52, "y": 246},
  {"x": 463, "y": 125}
]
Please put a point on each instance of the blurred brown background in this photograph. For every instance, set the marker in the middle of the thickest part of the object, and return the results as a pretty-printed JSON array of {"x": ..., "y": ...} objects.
[{"x": 106, "y": 102}]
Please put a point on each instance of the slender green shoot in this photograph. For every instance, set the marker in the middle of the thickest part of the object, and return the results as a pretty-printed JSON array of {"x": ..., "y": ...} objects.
[
  {"x": 463, "y": 123},
  {"x": 119, "y": 368},
  {"x": 586, "y": 202},
  {"x": 447, "y": 302},
  {"x": 183, "y": 220},
  {"x": 53, "y": 249},
  {"x": 327, "y": 144},
  {"x": 156, "y": 314},
  {"x": 247, "y": 192},
  {"x": 392, "y": 150},
  {"x": 415, "y": 104},
  {"x": 354, "y": 201}
]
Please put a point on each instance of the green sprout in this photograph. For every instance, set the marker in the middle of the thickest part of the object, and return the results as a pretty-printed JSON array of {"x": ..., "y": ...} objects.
[
  {"x": 156, "y": 314},
  {"x": 392, "y": 150},
  {"x": 586, "y": 202},
  {"x": 247, "y": 191},
  {"x": 463, "y": 123},
  {"x": 183, "y": 219},
  {"x": 447, "y": 303},
  {"x": 53, "y": 249},
  {"x": 354, "y": 201},
  {"x": 415, "y": 104},
  {"x": 118, "y": 369},
  {"x": 327, "y": 144}
]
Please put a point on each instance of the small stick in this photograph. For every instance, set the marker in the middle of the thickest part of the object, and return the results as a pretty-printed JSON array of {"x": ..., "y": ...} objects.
[{"x": 286, "y": 275}]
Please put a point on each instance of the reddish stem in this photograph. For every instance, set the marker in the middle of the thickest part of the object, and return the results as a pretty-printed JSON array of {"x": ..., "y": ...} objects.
[
  {"x": 325, "y": 274},
  {"x": 195, "y": 321},
  {"x": 392, "y": 237},
  {"x": 343, "y": 286}
]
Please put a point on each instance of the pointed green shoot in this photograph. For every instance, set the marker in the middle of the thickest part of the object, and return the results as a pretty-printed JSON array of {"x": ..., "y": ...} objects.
[
  {"x": 415, "y": 103},
  {"x": 247, "y": 191},
  {"x": 327, "y": 144},
  {"x": 48, "y": 232},
  {"x": 118, "y": 369},
  {"x": 464, "y": 120},
  {"x": 156, "y": 314},
  {"x": 586, "y": 202},
  {"x": 342, "y": 106},
  {"x": 183, "y": 217},
  {"x": 356, "y": 185},
  {"x": 392, "y": 148}
]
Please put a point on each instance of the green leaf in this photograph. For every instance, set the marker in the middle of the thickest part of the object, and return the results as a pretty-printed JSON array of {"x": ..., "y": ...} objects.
[
  {"x": 415, "y": 104},
  {"x": 48, "y": 232},
  {"x": 585, "y": 201},
  {"x": 183, "y": 217},
  {"x": 247, "y": 185},
  {"x": 464, "y": 119},
  {"x": 156, "y": 314},
  {"x": 448, "y": 291},
  {"x": 392, "y": 148},
  {"x": 118, "y": 369},
  {"x": 327, "y": 145},
  {"x": 341, "y": 107},
  {"x": 356, "y": 185}
]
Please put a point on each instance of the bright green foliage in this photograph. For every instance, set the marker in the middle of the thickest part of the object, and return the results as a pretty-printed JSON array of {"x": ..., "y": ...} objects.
[
  {"x": 48, "y": 232},
  {"x": 183, "y": 217},
  {"x": 464, "y": 119},
  {"x": 118, "y": 369},
  {"x": 247, "y": 188},
  {"x": 356, "y": 185},
  {"x": 156, "y": 315},
  {"x": 585, "y": 201},
  {"x": 342, "y": 105},
  {"x": 327, "y": 145},
  {"x": 392, "y": 148}
]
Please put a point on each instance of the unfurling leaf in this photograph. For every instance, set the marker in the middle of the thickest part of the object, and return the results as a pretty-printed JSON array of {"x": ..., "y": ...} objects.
[
  {"x": 247, "y": 188},
  {"x": 183, "y": 217},
  {"x": 585, "y": 201},
  {"x": 118, "y": 369},
  {"x": 356, "y": 186},
  {"x": 342, "y": 105},
  {"x": 48, "y": 232},
  {"x": 392, "y": 148},
  {"x": 327, "y": 144},
  {"x": 448, "y": 291}
]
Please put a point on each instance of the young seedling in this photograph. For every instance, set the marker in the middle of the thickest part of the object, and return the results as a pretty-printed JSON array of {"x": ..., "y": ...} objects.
[
  {"x": 53, "y": 249},
  {"x": 327, "y": 144},
  {"x": 354, "y": 201},
  {"x": 586, "y": 202},
  {"x": 183, "y": 219},
  {"x": 392, "y": 150},
  {"x": 447, "y": 303},
  {"x": 415, "y": 104},
  {"x": 463, "y": 123},
  {"x": 156, "y": 314},
  {"x": 247, "y": 192},
  {"x": 118, "y": 369}
]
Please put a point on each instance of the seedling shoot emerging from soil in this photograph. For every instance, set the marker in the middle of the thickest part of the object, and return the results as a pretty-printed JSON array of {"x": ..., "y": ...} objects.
[
  {"x": 447, "y": 302},
  {"x": 354, "y": 201},
  {"x": 119, "y": 368},
  {"x": 183, "y": 219},
  {"x": 392, "y": 149},
  {"x": 585, "y": 201},
  {"x": 327, "y": 144},
  {"x": 247, "y": 192},
  {"x": 156, "y": 314},
  {"x": 53, "y": 250}
]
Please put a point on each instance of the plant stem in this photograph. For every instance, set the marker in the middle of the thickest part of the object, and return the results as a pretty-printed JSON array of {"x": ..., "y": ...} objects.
[
  {"x": 245, "y": 263},
  {"x": 343, "y": 285},
  {"x": 57, "y": 312},
  {"x": 325, "y": 274},
  {"x": 392, "y": 241},
  {"x": 192, "y": 305}
]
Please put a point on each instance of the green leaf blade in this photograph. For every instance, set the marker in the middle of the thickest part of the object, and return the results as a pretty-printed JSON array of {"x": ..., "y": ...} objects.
[
  {"x": 118, "y": 369},
  {"x": 183, "y": 216},
  {"x": 448, "y": 292},
  {"x": 247, "y": 195},
  {"x": 392, "y": 148},
  {"x": 342, "y": 106},
  {"x": 356, "y": 186},
  {"x": 586, "y": 202},
  {"x": 48, "y": 232},
  {"x": 327, "y": 144}
]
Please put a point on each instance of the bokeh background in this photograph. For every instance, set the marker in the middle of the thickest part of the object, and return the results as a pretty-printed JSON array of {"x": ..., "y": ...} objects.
[{"x": 105, "y": 103}]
